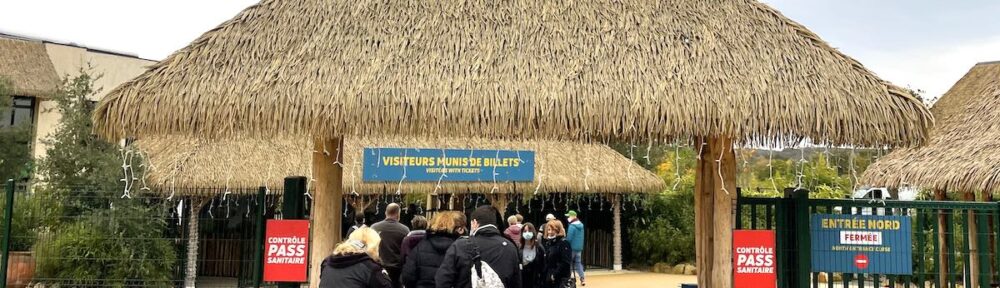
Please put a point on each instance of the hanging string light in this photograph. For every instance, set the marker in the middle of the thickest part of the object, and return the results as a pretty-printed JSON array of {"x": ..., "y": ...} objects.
[
  {"x": 718, "y": 164},
  {"x": 770, "y": 169},
  {"x": 495, "y": 159},
  {"x": 648, "y": 148},
  {"x": 677, "y": 164},
  {"x": 443, "y": 172},
  {"x": 854, "y": 173},
  {"x": 399, "y": 187},
  {"x": 126, "y": 156},
  {"x": 628, "y": 168},
  {"x": 801, "y": 167},
  {"x": 211, "y": 205}
]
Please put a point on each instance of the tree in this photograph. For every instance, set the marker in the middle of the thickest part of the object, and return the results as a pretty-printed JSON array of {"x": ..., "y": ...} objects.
[{"x": 103, "y": 239}]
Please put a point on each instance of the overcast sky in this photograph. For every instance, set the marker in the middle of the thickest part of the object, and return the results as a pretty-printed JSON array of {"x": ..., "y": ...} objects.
[{"x": 922, "y": 44}]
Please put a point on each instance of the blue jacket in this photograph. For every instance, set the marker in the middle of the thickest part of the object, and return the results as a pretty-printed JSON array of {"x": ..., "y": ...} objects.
[{"x": 575, "y": 236}]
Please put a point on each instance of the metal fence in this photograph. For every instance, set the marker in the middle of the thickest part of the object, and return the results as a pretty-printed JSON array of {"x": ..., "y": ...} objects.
[
  {"x": 98, "y": 237},
  {"x": 954, "y": 243}
]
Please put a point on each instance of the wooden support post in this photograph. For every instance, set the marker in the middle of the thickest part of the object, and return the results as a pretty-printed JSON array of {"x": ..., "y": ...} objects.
[
  {"x": 715, "y": 187},
  {"x": 617, "y": 232},
  {"x": 196, "y": 203},
  {"x": 327, "y": 203},
  {"x": 939, "y": 195},
  {"x": 973, "y": 259}
]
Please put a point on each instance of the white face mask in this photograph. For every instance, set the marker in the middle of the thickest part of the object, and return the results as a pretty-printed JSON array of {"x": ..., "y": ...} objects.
[
  {"x": 528, "y": 235},
  {"x": 551, "y": 237}
]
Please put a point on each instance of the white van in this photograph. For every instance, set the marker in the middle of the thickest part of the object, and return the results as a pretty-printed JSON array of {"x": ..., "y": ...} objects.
[{"x": 876, "y": 194}]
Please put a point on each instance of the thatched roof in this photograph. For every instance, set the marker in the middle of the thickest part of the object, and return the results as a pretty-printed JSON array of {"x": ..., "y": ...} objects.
[
  {"x": 964, "y": 152},
  {"x": 26, "y": 65},
  {"x": 188, "y": 165},
  {"x": 514, "y": 69}
]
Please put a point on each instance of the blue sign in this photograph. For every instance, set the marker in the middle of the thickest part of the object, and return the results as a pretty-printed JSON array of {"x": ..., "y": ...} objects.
[
  {"x": 861, "y": 244},
  {"x": 448, "y": 165}
]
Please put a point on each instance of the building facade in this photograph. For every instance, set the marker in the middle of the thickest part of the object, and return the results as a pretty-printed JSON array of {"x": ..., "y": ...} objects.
[{"x": 35, "y": 67}]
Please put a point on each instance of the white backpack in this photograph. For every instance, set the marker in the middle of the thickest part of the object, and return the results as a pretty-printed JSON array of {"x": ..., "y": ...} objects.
[{"x": 483, "y": 275}]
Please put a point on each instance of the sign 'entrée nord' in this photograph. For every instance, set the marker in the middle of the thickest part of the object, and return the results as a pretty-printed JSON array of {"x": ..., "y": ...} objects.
[{"x": 447, "y": 165}]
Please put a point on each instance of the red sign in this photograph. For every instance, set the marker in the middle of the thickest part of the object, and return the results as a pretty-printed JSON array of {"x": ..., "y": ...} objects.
[
  {"x": 286, "y": 251},
  {"x": 861, "y": 261},
  {"x": 755, "y": 263}
]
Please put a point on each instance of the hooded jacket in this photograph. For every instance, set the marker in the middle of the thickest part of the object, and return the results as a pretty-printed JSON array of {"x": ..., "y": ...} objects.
[
  {"x": 574, "y": 234},
  {"x": 410, "y": 242},
  {"x": 423, "y": 260},
  {"x": 558, "y": 260},
  {"x": 495, "y": 249},
  {"x": 352, "y": 271}
]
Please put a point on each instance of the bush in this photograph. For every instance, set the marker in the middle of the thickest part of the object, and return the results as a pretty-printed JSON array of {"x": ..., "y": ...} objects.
[
  {"x": 33, "y": 213},
  {"x": 668, "y": 234},
  {"x": 109, "y": 248}
]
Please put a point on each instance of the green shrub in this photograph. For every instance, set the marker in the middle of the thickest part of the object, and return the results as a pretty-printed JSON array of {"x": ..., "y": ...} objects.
[
  {"x": 668, "y": 235},
  {"x": 33, "y": 214},
  {"x": 109, "y": 248}
]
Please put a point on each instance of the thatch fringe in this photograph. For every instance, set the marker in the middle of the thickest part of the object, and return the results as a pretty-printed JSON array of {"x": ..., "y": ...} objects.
[
  {"x": 26, "y": 65},
  {"x": 964, "y": 153},
  {"x": 515, "y": 70},
  {"x": 185, "y": 164}
]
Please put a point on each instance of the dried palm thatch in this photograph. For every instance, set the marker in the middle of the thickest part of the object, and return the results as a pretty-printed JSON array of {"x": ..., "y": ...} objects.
[
  {"x": 514, "y": 69},
  {"x": 964, "y": 152},
  {"x": 241, "y": 165},
  {"x": 26, "y": 65}
]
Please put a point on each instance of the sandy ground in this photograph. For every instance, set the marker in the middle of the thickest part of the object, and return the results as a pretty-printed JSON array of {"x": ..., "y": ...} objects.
[
  {"x": 595, "y": 279},
  {"x": 637, "y": 280}
]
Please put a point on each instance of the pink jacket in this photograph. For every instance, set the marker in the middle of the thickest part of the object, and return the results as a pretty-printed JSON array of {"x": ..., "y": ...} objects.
[{"x": 514, "y": 233}]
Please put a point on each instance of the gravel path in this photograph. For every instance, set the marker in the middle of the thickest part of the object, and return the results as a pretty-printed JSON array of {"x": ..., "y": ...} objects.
[{"x": 637, "y": 280}]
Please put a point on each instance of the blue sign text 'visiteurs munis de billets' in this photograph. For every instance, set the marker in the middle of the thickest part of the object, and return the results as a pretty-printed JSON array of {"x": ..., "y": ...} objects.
[{"x": 447, "y": 165}]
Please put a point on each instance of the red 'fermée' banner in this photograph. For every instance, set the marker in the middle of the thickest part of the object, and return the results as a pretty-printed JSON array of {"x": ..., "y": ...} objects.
[
  {"x": 754, "y": 262},
  {"x": 286, "y": 251}
]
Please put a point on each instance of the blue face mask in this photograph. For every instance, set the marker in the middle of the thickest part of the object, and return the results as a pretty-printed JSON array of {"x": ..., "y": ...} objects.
[{"x": 528, "y": 235}]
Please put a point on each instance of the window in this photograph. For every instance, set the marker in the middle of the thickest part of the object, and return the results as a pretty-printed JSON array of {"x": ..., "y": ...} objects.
[{"x": 22, "y": 111}]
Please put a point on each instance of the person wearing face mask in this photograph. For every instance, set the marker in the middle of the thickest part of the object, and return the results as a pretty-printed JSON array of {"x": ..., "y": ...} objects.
[
  {"x": 532, "y": 258},
  {"x": 558, "y": 256}
]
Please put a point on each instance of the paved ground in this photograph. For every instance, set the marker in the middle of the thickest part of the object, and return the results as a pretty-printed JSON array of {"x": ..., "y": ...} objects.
[
  {"x": 595, "y": 279},
  {"x": 602, "y": 279}
]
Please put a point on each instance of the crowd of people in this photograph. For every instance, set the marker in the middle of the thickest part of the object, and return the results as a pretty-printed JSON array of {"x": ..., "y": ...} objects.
[{"x": 437, "y": 253}]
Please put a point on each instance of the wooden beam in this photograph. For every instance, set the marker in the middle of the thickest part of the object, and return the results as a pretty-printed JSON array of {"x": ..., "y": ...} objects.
[
  {"x": 715, "y": 186},
  {"x": 191, "y": 269},
  {"x": 327, "y": 203},
  {"x": 973, "y": 244},
  {"x": 939, "y": 195},
  {"x": 617, "y": 232}
]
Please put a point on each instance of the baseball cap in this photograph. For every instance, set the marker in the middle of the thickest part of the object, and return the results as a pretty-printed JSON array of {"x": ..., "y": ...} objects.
[
  {"x": 550, "y": 216},
  {"x": 571, "y": 213}
]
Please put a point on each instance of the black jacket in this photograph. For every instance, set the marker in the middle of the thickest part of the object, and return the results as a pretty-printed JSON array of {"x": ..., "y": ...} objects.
[
  {"x": 533, "y": 272},
  {"x": 496, "y": 250},
  {"x": 423, "y": 261},
  {"x": 352, "y": 271},
  {"x": 392, "y": 234},
  {"x": 558, "y": 260}
]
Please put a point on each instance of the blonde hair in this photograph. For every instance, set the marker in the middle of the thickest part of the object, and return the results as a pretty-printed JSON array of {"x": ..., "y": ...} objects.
[
  {"x": 363, "y": 240},
  {"x": 512, "y": 220},
  {"x": 557, "y": 226},
  {"x": 447, "y": 222}
]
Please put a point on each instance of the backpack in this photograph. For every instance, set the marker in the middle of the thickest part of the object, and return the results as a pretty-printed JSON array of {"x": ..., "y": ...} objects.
[{"x": 483, "y": 276}]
